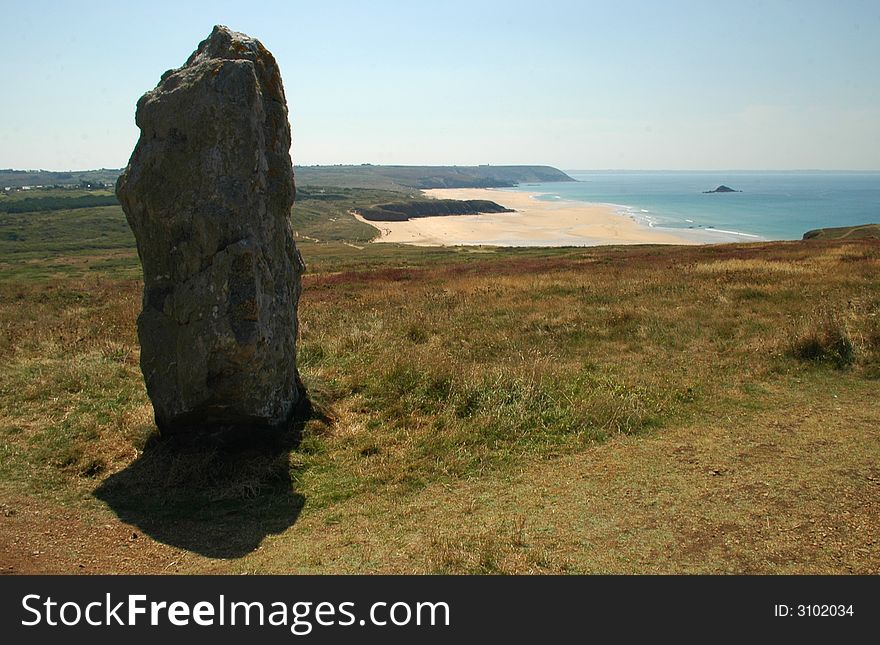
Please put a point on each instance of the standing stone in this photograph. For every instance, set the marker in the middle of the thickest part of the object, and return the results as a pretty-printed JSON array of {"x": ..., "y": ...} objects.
[{"x": 208, "y": 193}]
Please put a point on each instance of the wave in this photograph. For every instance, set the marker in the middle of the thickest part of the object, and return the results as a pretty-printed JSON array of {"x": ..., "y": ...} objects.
[
  {"x": 648, "y": 218},
  {"x": 721, "y": 230},
  {"x": 545, "y": 197}
]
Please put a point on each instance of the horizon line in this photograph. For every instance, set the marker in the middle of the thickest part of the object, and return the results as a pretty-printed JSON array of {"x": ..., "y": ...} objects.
[{"x": 570, "y": 169}]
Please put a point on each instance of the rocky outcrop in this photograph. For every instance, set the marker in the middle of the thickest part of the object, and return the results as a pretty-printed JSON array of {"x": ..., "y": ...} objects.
[
  {"x": 208, "y": 192},
  {"x": 403, "y": 211}
]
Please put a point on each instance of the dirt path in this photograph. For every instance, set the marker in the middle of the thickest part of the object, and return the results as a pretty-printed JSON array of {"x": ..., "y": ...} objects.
[{"x": 39, "y": 536}]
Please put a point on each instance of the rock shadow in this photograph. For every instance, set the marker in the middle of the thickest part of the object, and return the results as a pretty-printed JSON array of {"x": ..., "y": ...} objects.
[{"x": 218, "y": 494}]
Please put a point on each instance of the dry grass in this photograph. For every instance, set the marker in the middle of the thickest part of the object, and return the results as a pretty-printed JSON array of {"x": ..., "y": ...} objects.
[
  {"x": 549, "y": 411},
  {"x": 753, "y": 265}
]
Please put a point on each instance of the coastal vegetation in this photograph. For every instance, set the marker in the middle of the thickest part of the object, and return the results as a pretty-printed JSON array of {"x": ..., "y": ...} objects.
[
  {"x": 424, "y": 177},
  {"x": 844, "y": 232},
  {"x": 56, "y": 203},
  {"x": 398, "y": 178},
  {"x": 476, "y": 409}
]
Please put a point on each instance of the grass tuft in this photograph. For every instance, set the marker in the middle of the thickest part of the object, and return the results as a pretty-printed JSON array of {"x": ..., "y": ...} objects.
[{"x": 824, "y": 339}]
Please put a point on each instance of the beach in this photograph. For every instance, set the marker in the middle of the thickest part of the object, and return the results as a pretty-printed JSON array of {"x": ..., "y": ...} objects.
[{"x": 535, "y": 223}]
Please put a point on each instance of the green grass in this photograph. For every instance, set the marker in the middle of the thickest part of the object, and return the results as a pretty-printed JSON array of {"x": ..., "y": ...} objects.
[
  {"x": 34, "y": 196},
  {"x": 55, "y": 200},
  {"x": 45, "y": 244},
  {"x": 38, "y": 235}
]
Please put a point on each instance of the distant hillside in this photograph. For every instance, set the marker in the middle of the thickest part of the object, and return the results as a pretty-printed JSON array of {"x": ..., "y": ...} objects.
[
  {"x": 402, "y": 211},
  {"x": 425, "y": 177},
  {"x": 850, "y": 232},
  {"x": 397, "y": 178},
  {"x": 18, "y": 178}
]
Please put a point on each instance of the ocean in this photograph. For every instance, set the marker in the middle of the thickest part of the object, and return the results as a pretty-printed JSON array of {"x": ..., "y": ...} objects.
[{"x": 771, "y": 206}]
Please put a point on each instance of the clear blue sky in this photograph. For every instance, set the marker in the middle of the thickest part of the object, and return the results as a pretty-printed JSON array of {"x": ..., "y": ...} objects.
[{"x": 621, "y": 84}]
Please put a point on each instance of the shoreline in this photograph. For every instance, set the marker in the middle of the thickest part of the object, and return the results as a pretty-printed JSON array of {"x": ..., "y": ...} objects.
[{"x": 535, "y": 223}]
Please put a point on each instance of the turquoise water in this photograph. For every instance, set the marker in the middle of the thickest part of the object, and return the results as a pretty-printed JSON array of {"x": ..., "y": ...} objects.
[{"x": 772, "y": 205}]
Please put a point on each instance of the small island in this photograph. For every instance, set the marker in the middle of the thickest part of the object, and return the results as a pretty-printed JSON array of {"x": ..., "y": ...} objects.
[{"x": 722, "y": 189}]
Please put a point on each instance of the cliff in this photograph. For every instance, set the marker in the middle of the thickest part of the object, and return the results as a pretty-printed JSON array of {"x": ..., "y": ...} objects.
[
  {"x": 841, "y": 232},
  {"x": 425, "y": 177}
]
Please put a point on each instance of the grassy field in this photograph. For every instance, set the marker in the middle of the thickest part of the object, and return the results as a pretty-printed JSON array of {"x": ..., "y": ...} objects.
[{"x": 477, "y": 410}]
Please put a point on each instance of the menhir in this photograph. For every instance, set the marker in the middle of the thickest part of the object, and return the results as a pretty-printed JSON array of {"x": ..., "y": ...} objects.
[{"x": 208, "y": 193}]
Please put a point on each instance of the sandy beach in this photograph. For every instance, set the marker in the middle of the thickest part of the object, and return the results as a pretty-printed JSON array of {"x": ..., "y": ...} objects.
[{"x": 535, "y": 223}]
